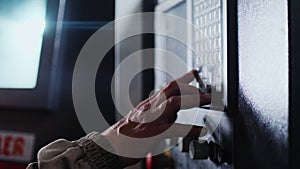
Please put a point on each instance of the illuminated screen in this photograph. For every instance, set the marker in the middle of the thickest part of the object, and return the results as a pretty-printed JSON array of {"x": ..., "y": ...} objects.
[{"x": 22, "y": 25}]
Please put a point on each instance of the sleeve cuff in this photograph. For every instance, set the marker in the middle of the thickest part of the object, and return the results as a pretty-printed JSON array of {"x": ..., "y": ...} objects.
[{"x": 96, "y": 156}]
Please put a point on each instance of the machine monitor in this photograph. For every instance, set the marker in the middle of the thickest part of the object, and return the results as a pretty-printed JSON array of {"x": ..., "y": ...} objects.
[{"x": 28, "y": 33}]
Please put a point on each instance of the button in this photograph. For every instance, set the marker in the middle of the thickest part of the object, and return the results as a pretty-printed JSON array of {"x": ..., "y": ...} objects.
[
  {"x": 211, "y": 59},
  {"x": 197, "y": 36},
  {"x": 197, "y": 9},
  {"x": 183, "y": 144},
  {"x": 199, "y": 149},
  {"x": 200, "y": 21},
  {"x": 207, "y": 46},
  {"x": 218, "y": 77},
  {"x": 219, "y": 43},
  {"x": 209, "y": 78},
  {"x": 217, "y": 2},
  {"x": 199, "y": 44},
  {"x": 197, "y": 22},
  {"x": 205, "y": 5},
  {"x": 204, "y": 73},
  {"x": 218, "y": 14},
  {"x": 208, "y": 3},
  {"x": 201, "y": 7},
  {"x": 217, "y": 153},
  {"x": 218, "y": 84},
  {"x": 218, "y": 57},
  {"x": 197, "y": 47},
  {"x": 214, "y": 15},
  {"x": 214, "y": 27},
  {"x": 201, "y": 34}
]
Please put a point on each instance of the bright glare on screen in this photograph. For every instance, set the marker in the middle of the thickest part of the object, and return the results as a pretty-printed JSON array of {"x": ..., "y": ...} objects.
[{"x": 22, "y": 25}]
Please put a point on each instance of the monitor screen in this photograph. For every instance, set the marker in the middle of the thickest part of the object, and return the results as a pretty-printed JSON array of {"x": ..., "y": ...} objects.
[
  {"x": 29, "y": 34},
  {"x": 22, "y": 25}
]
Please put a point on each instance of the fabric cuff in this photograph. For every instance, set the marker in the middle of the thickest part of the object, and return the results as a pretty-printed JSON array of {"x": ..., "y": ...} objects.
[{"x": 96, "y": 156}]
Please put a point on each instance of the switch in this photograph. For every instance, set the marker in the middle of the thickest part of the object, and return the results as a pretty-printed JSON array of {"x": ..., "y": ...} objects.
[
  {"x": 199, "y": 150},
  {"x": 203, "y": 150},
  {"x": 183, "y": 144},
  {"x": 216, "y": 154}
]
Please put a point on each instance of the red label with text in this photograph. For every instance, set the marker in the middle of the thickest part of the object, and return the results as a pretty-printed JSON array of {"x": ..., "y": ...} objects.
[{"x": 15, "y": 146}]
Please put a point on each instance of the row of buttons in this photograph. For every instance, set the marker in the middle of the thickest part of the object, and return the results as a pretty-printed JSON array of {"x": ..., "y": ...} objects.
[
  {"x": 203, "y": 44},
  {"x": 209, "y": 16},
  {"x": 207, "y": 41},
  {"x": 205, "y": 5},
  {"x": 209, "y": 58}
]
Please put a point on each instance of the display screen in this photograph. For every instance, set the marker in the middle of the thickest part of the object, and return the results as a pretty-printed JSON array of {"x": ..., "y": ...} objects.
[{"x": 22, "y": 24}]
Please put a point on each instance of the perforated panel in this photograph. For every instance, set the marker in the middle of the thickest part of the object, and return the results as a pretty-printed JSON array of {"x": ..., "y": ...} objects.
[{"x": 208, "y": 41}]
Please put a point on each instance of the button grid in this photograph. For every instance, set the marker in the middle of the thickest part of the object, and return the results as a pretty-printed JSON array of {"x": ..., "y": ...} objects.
[{"x": 207, "y": 41}]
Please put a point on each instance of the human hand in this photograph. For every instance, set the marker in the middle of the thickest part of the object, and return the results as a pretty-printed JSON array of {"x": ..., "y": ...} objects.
[{"x": 153, "y": 119}]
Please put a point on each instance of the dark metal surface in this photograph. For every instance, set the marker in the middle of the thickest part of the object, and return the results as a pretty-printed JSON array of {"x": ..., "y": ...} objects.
[
  {"x": 222, "y": 136},
  {"x": 262, "y": 133},
  {"x": 294, "y": 82}
]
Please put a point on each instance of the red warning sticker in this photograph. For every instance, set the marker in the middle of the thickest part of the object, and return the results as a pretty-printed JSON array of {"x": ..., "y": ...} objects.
[{"x": 16, "y": 146}]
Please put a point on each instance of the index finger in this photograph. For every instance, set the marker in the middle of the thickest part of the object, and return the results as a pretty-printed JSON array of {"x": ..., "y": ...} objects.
[{"x": 188, "y": 77}]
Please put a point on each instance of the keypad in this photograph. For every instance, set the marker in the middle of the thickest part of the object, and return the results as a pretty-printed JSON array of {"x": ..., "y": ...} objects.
[{"x": 207, "y": 41}]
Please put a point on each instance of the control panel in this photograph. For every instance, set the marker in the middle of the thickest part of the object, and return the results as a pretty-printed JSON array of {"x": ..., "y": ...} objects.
[
  {"x": 208, "y": 37},
  {"x": 209, "y": 40}
]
